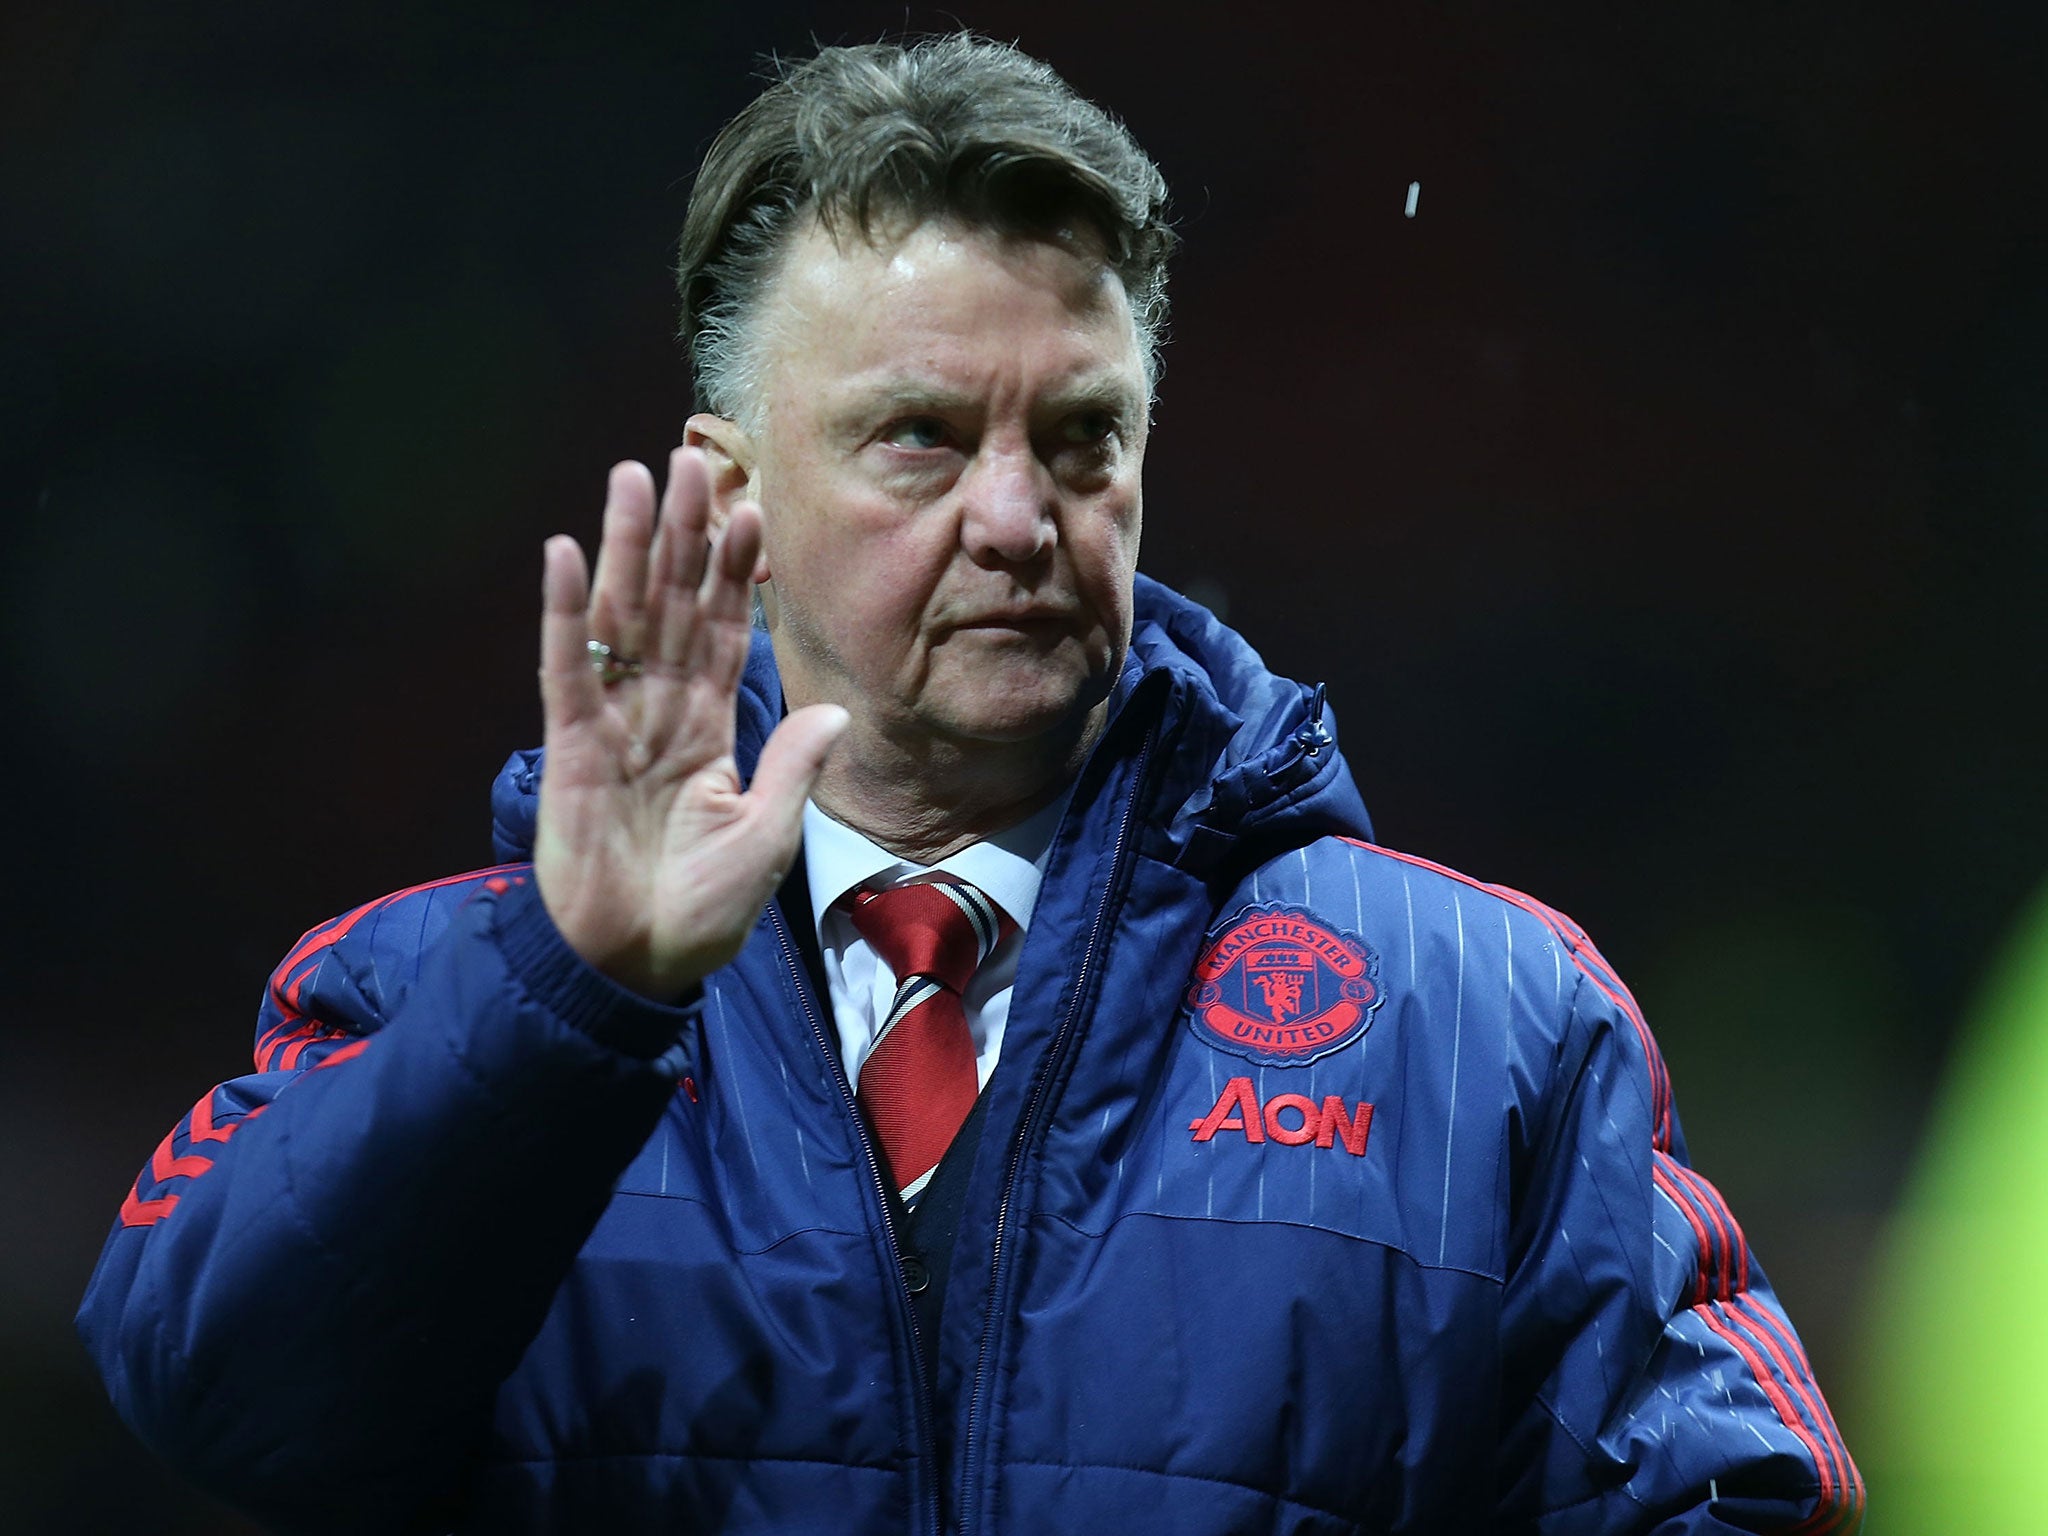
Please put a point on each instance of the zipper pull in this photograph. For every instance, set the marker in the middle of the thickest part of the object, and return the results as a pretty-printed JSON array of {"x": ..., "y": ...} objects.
[{"x": 1314, "y": 735}]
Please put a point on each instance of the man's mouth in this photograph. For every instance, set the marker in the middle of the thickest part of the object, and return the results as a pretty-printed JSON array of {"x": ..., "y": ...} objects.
[{"x": 1017, "y": 618}]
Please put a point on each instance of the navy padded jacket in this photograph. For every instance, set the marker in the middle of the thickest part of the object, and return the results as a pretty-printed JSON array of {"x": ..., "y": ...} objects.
[{"x": 489, "y": 1244}]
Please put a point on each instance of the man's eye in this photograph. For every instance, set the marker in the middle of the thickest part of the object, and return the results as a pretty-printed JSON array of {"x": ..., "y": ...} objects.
[
  {"x": 916, "y": 432},
  {"x": 1084, "y": 427}
]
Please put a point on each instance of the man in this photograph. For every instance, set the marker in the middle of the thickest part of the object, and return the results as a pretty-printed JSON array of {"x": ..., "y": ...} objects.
[{"x": 955, "y": 1059}]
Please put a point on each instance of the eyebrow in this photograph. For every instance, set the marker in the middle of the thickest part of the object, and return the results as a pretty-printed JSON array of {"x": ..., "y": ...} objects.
[
  {"x": 1104, "y": 389},
  {"x": 1101, "y": 390}
]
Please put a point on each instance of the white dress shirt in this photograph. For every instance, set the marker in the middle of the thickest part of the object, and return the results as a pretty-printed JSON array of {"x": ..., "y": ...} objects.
[{"x": 1007, "y": 868}]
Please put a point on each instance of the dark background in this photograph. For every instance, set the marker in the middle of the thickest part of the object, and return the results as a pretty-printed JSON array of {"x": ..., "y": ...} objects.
[{"x": 1661, "y": 505}]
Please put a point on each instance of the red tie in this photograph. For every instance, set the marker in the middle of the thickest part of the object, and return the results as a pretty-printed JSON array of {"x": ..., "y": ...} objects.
[{"x": 919, "y": 1082}]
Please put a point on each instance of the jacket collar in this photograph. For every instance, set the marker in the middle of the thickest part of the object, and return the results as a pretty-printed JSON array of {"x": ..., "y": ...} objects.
[{"x": 1251, "y": 758}]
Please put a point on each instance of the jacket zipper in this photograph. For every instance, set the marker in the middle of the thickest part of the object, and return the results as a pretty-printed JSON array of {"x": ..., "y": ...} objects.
[
  {"x": 1028, "y": 1133},
  {"x": 926, "y": 1447}
]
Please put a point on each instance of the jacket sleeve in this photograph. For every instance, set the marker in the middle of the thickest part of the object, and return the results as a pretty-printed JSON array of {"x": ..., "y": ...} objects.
[
  {"x": 1654, "y": 1383},
  {"x": 313, "y": 1291}
]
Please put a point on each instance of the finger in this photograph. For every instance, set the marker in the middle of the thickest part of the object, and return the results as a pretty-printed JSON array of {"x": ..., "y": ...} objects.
[
  {"x": 688, "y": 636},
  {"x": 685, "y": 517},
  {"x": 569, "y": 689},
  {"x": 618, "y": 602},
  {"x": 791, "y": 761},
  {"x": 739, "y": 549},
  {"x": 725, "y": 628}
]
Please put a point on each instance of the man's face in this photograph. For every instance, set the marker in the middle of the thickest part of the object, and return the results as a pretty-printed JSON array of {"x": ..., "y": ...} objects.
[{"x": 948, "y": 469}]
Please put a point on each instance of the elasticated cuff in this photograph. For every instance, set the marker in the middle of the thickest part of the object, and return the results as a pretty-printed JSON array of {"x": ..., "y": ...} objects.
[{"x": 563, "y": 982}]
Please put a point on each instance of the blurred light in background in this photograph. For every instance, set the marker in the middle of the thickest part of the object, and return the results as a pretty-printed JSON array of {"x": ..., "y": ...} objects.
[{"x": 1953, "y": 1396}]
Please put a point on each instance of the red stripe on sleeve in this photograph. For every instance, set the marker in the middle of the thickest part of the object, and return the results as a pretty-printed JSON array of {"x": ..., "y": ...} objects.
[
  {"x": 288, "y": 981},
  {"x": 1746, "y": 1314},
  {"x": 288, "y": 1058},
  {"x": 268, "y": 1058},
  {"x": 1783, "y": 1332},
  {"x": 1710, "y": 1197},
  {"x": 1615, "y": 989},
  {"x": 1776, "y": 1328},
  {"x": 1714, "y": 1210},
  {"x": 1780, "y": 1403},
  {"x": 331, "y": 932},
  {"x": 1576, "y": 944},
  {"x": 162, "y": 1165},
  {"x": 1671, "y": 1191},
  {"x": 138, "y": 1212},
  {"x": 1826, "y": 1521},
  {"x": 203, "y": 1128},
  {"x": 348, "y": 1052}
]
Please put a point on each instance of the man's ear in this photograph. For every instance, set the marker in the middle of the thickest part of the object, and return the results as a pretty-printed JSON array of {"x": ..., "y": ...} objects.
[{"x": 729, "y": 454}]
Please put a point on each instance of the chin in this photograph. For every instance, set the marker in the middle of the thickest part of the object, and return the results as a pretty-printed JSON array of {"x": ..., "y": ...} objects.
[{"x": 1016, "y": 713}]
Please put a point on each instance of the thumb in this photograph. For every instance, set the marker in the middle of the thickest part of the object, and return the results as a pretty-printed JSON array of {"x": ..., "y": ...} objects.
[{"x": 793, "y": 758}]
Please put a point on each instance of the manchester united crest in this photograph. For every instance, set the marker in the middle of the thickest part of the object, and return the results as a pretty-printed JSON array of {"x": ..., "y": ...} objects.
[{"x": 1279, "y": 987}]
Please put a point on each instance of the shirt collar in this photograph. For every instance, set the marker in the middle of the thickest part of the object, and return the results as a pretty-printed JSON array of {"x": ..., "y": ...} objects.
[{"x": 1007, "y": 867}]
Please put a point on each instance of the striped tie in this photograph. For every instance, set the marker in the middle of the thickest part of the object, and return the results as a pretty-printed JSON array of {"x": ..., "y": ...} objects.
[{"x": 919, "y": 1082}]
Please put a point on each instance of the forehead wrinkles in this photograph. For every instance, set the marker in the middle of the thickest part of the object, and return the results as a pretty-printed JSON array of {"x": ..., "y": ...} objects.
[{"x": 920, "y": 307}]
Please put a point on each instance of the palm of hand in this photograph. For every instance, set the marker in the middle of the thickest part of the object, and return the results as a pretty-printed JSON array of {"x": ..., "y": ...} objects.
[{"x": 652, "y": 860}]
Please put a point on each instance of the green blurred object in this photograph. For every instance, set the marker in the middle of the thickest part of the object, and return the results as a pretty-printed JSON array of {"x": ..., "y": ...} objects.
[{"x": 1954, "y": 1395}]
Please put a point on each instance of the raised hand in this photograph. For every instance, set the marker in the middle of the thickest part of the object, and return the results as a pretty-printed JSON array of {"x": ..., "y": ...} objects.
[{"x": 651, "y": 860}]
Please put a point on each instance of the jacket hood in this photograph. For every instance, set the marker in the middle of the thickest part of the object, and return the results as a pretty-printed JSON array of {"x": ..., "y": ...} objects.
[{"x": 1250, "y": 757}]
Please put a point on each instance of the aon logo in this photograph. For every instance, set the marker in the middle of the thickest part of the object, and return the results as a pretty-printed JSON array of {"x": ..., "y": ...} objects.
[{"x": 1292, "y": 1119}]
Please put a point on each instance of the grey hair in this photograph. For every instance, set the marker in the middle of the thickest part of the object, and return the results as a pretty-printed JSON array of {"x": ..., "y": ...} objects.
[{"x": 958, "y": 127}]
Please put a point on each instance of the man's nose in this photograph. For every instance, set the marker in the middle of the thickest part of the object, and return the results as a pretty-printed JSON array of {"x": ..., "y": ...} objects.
[{"x": 1010, "y": 506}]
